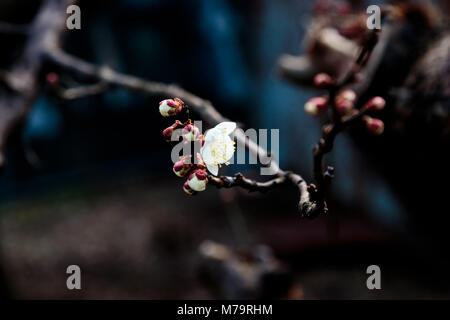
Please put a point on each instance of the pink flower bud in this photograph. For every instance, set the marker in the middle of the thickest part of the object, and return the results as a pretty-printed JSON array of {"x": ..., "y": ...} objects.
[
  {"x": 181, "y": 168},
  {"x": 190, "y": 132},
  {"x": 375, "y": 126},
  {"x": 348, "y": 94},
  {"x": 170, "y": 107},
  {"x": 344, "y": 101},
  {"x": 376, "y": 103},
  {"x": 197, "y": 180},
  {"x": 316, "y": 105},
  {"x": 188, "y": 189},
  {"x": 52, "y": 78},
  {"x": 168, "y": 132},
  {"x": 322, "y": 80},
  {"x": 344, "y": 106}
]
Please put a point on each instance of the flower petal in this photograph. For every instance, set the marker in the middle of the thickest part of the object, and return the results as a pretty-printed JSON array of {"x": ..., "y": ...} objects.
[
  {"x": 226, "y": 127},
  {"x": 211, "y": 134},
  {"x": 207, "y": 154},
  {"x": 228, "y": 148},
  {"x": 214, "y": 169}
]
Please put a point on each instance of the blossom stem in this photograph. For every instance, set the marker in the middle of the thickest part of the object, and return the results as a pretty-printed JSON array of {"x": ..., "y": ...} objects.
[{"x": 338, "y": 123}]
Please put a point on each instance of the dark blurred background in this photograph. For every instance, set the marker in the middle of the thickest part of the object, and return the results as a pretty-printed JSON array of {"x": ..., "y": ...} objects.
[{"x": 101, "y": 193}]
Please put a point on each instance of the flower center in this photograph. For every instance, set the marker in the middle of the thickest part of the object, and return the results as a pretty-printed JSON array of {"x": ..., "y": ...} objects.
[{"x": 219, "y": 148}]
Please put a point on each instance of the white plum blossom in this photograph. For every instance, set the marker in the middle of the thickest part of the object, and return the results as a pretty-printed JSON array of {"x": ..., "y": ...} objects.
[{"x": 218, "y": 147}]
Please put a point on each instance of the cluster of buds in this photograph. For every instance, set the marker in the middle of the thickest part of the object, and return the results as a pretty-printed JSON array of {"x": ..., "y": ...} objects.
[
  {"x": 196, "y": 173},
  {"x": 318, "y": 105},
  {"x": 344, "y": 104},
  {"x": 374, "y": 125},
  {"x": 197, "y": 177},
  {"x": 190, "y": 132},
  {"x": 171, "y": 107},
  {"x": 344, "y": 101}
]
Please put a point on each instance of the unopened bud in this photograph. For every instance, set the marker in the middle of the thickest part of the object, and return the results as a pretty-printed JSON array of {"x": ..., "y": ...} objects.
[
  {"x": 170, "y": 107},
  {"x": 348, "y": 94},
  {"x": 190, "y": 132},
  {"x": 168, "y": 132},
  {"x": 322, "y": 80},
  {"x": 182, "y": 167},
  {"x": 197, "y": 180},
  {"x": 52, "y": 78},
  {"x": 316, "y": 105},
  {"x": 344, "y": 106},
  {"x": 188, "y": 189},
  {"x": 376, "y": 103},
  {"x": 375, "y": 126},
  {"x": 344, "y": 101}
]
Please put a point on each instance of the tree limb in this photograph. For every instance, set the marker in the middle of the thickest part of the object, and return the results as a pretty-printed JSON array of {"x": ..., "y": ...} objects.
[
  {"x": 206, "y": 111},
  {"x": 81, "y": 91},
  {"x": 22, "y": 86},
  {"x": 339, "y": 123}
]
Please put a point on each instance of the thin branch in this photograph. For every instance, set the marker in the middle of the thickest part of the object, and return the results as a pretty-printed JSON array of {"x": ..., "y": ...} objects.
[
  {"x": 22, "y": 82},
  {"x": 338, "y": 123},
  {"x": 204, "y": 108},
  {"x": 81, "y": 91},
  {"x": 249, "y": 184}
]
